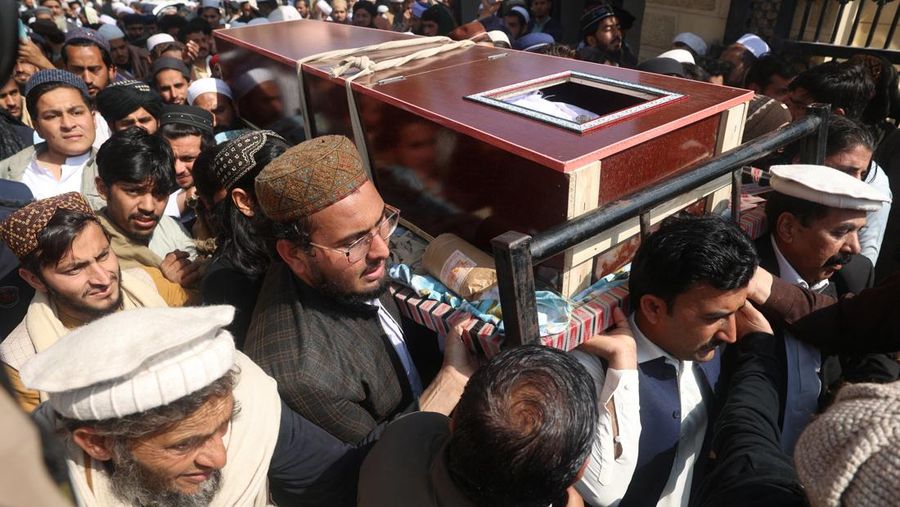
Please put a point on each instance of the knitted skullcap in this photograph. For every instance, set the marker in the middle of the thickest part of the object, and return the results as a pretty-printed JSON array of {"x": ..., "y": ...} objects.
[
  {"x": 112, "y": 368},
  {"x": 122, "y": 98},
  {"x": 235, "y": 159},
  {"x": 850, "y": 455},
  {"x": 22, "y": 228},
  {"x": 88, "y": 35},
  {"x": 55, "y": 76},
  {"x": 309, "y": 177}
]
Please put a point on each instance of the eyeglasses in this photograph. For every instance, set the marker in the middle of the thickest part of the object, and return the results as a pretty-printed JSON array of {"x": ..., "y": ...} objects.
[{"x": 360, "y": 248}]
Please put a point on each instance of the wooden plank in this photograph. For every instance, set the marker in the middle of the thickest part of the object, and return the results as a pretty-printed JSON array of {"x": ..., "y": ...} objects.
[
  {"x": 586, "y": 250},
  {"x": 584, "y": 189}
]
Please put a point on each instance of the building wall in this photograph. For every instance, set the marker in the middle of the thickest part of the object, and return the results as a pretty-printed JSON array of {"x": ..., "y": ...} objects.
[{"x": 664, "y": 19}]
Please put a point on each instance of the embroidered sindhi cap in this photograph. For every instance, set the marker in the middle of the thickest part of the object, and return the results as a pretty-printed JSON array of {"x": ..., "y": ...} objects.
[
  {"x": 112, "y": 368},
  {"x": 22, "y": 228},
  {"x": 826, "y": 186},
  {"x": 236, "y": 158},
  {"x": 187, "y": 115},
  {"x": 309, "y": 177}
]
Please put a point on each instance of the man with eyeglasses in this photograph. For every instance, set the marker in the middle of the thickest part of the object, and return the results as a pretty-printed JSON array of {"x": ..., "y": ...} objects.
[{"x": 324, "y": 325}]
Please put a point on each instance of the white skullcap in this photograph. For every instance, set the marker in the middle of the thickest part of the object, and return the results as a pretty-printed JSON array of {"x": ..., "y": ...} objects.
[
  {"x": 133, "y": 361},
  {"x": 257, "y": 21},
  {"x": 754, "y": 44},
  {"x": 324, "y": 7},
  {"x": 250, "y": 80},
  {"x": 692, "y": 41},
  {"x": 523, "y": 12},
  {"x": 850, "y": 455},
  {"x": 679, "y": 55},
  {"x": 106, "y": 19},
  {"x": 110, "y": 32},
  {"x": 382, "y": 9},
  {"x": 285, "y": 13},
  {"x": 208, "y": 85},
  {"x": 156, "y": 40},
  {"x": 498, "y": 36},
  {"x": 210, "y": 4},
  {"x": 826, "y": 186}
]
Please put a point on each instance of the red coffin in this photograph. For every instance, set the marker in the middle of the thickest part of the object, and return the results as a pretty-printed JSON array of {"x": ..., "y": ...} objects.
[{"x": 449, "y": 146}]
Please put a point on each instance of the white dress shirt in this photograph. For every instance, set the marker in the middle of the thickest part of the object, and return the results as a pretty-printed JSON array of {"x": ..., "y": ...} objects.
[
  {"x": 43, "y": 183},
  {"x": 693, "y": 420},
  {"x": 395, "y": 335},
  {"x": 606, "y": 476}
]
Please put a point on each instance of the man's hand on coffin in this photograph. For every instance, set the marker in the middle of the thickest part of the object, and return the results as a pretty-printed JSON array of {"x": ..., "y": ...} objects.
[
  {"x": 460, "y": 363},
  {"x": 616, "y": 345},
  {"x": 760, "y": 287},
  {"x": 749, "y": 320}
]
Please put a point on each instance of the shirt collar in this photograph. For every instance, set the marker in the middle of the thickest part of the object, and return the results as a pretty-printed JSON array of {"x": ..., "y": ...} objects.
[
  {"x": 787, "y": 272},
  {"x": 646, "y": 349}
]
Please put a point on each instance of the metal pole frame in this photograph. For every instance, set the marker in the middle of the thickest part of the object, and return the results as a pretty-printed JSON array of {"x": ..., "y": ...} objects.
[{"x": 515, "y": 253}]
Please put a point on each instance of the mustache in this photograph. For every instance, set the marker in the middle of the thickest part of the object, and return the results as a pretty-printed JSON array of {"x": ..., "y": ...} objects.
[
  {"x": 144, "y": 216},
  {"x": 841, "y": 258}
]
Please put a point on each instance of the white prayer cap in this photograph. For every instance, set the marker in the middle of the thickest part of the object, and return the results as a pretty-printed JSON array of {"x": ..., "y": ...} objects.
[
  {"x": 522, "y": 11},
  {"x": 692, "y": 41},
  {"x": 110, "y": 32},
  {"x": 826, "y": 186},
  {"x": 250, "y": 80},
  {"x": 498, "y": 36},
  {"x": 285, "y": 13},
  {"x": 133, "y": 361},
  {"x": 156, "y": 40},
  {"x": 382, "y": 9},
  {"x": 210, "y": 4},
  {"x": 106, "y": 19},
  {"x": 208, "y": 85},
  {"x": 679, "y": 55},
  {"x": 754, "y": 44}
]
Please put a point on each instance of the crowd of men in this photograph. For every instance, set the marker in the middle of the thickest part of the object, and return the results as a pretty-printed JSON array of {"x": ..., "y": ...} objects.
[{"x": 196, "y": 309}]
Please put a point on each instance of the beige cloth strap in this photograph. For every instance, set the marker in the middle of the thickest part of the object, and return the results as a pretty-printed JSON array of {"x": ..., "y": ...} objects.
[{"x": 354, "y": 58}]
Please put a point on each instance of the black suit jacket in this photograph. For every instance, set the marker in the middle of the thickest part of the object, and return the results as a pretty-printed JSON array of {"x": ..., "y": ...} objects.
[{"x": 853, "y": 278}]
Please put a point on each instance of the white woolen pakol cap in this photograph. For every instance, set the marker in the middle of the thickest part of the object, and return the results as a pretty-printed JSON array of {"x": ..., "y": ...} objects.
[
  {"x": 133, "y": 361},
  {"x": 826, "y": 186}
]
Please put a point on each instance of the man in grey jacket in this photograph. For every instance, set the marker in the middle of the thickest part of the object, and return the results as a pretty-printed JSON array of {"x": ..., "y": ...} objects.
[{"x": 59, "y": 106}]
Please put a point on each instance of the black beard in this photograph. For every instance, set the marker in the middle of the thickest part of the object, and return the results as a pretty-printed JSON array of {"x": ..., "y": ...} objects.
[
  {"x": 341, "y": 295},
  {"x": 136, "y": 485},
  {"x": 75, "y": 306}
]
